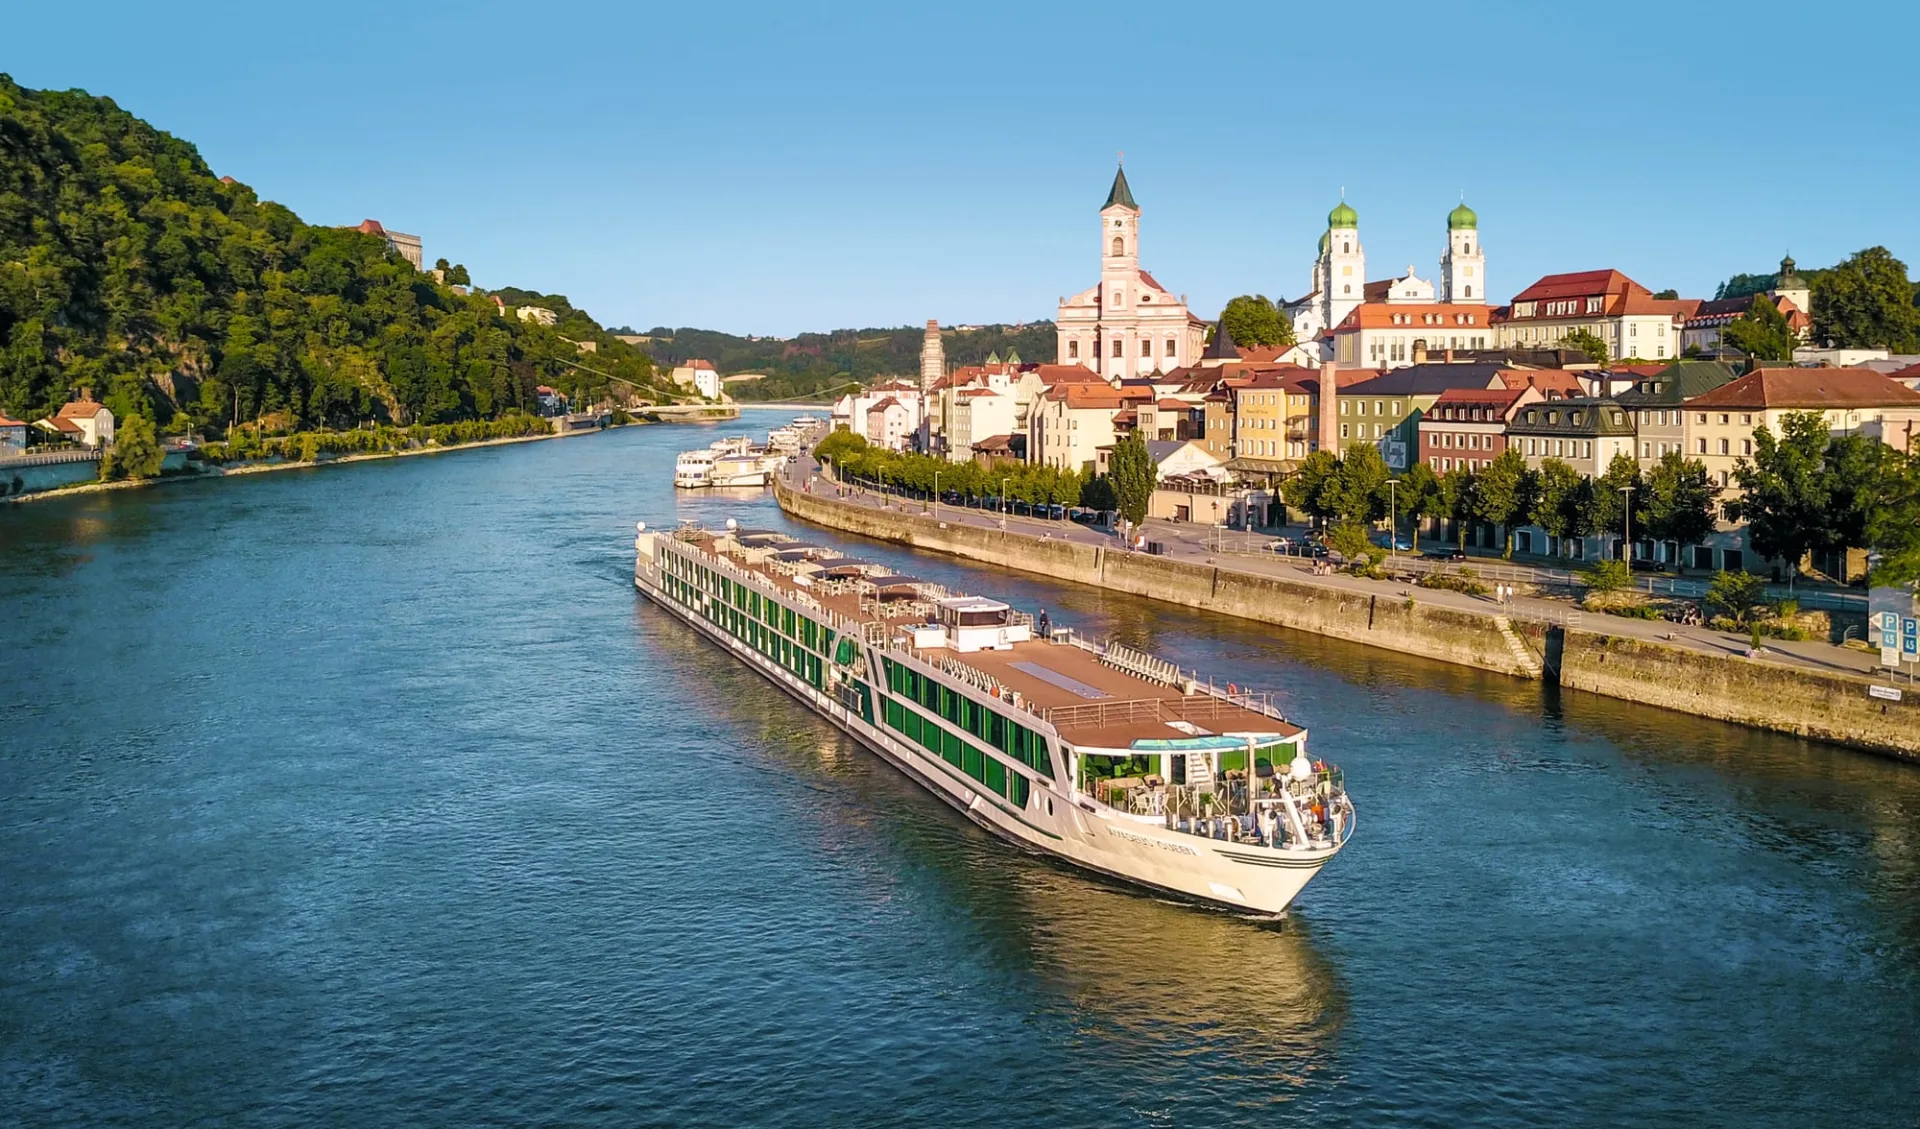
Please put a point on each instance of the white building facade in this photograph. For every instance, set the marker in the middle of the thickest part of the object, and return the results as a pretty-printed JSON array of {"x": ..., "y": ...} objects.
[{"x": 1128, "y": 325}]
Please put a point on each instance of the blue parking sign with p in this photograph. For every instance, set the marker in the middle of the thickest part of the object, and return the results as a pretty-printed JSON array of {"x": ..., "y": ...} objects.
[{"x": 1910, "y": 636}]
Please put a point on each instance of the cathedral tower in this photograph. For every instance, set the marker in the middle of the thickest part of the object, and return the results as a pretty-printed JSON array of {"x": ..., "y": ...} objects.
[
  {"x": 1343, "y": 265},
  {"x": 1463, "y": 269}
]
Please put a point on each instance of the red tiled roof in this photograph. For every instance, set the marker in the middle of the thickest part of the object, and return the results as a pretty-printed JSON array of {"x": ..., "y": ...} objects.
[
  {"x": 1579, "y": 284},
  {"x": 1151, "y": 281},
  {"x": 1480, "y": 397},
  {"x": 1169, "y": 404},
  {"x": 1261, "y": 354},
  {"x": 1809, "y": 388},
  {"x": 1546, "y": 379},
  {"x": 80, "y": 409},
  {"x": 1069, "y": 374},
  {"x": 1371, "y": 315},
  {"x": 61, "y": 423},
  {"x": 883, "y": 405},
  {"x": 973, "y": 392},
  {"x": 371, "y": 227},
  {"x": 700, "y": 364},
  {"x": 6, "y": 422}
]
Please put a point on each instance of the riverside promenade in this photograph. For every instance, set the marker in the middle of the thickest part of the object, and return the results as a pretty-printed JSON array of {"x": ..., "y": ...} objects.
[{"x": 1813, "y": 689}]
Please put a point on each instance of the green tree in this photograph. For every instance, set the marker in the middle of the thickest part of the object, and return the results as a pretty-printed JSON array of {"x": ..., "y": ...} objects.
[
  {"x": 135, "y": 452},
  {"x": 1506, "y": 493},
  {"x": 1460, "y": 497},
  {"x": 1310, "y": 489},
  {"x": 1867, "y": 301},
  {"x": 1098, "y": 494},
  {"x": 1784, "y": 491},
  {"x": 1359, "y": 489},
  {"x": 1677, "y": 502},
  {"x": 1852, "y": 471},
  {"x": 1762, "y": 332},
  {"x": 1253, "y": 320},
  {"x": 1559, "y": 499},
  {"x": 1588, "y": 343},
  {"x": 1420, "y": 496},
  {"x": 1130, "y": 468},
  {"x": 1893, "y": 529},
  {"x": 1612, "y": 494}
]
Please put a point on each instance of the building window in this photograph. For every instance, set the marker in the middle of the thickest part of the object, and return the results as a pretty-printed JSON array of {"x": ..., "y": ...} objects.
[
  {"x": 1469, "y": 287},
  {"x": 1171, "y": 349},
  {"x": 1725, "y": 418},
  {"x": 1343, "y": 431},
  {"x": 1746, "y": 446},
  {"x": 1723, "y": 446},
  {"x": 1073, "y": 350},
  {"x": 1116, "y": 348},
  {"x": 1119, "y": 247}
]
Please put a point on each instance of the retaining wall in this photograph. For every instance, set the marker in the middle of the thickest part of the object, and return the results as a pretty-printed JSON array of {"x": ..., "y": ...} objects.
[
  {"x": 1830, "y": 707},
  {"x": 1425, "y": 630}
]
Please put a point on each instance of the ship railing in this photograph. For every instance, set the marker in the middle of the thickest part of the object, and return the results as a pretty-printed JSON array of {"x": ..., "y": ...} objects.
[
  {"x": 1104, "y": 714},
  {"x": 1254, "y": 701}
]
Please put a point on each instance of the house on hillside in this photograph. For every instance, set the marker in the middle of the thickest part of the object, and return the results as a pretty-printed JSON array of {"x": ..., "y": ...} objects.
[
  {"x": 13, "y": 436},
  {"x": 83, "y": 421},
  {"x": 700, "y": 376}
]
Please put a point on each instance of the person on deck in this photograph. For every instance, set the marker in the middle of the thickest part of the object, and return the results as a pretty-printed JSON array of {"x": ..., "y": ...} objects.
[{"x": 1045, "y": 625}]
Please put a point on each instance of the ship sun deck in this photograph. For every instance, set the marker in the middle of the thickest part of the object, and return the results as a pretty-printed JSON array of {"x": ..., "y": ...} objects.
[
  {"x": 1098, "y": 697},
  {"x": 1146, "y": 743}
]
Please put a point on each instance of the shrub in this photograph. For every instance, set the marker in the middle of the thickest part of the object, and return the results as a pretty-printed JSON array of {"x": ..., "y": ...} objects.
[
  {"x": 1608, "y": 576},
  {"x": 1634, "y": 611},
  {"x": 1735, "y": 594},
  {"x": 1462, "y": 581},
  {"x": 1349, "y": 539}
]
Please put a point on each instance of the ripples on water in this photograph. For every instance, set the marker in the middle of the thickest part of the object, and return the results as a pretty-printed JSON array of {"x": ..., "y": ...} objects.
[{"x": 375, "y": 796}]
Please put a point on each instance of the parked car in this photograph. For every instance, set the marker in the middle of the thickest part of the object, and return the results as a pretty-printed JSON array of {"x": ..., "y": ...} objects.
[
  {"x": 1401, "y": 544},
  {"x": 1446, "y": 553},
  {"x": 1282, "y": 545}
]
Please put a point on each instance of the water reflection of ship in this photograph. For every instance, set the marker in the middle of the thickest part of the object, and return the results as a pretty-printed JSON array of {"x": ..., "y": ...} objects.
[{"x": 1155, "y": 974}]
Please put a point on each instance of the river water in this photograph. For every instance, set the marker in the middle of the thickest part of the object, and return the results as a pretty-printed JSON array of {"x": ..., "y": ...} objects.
[{"x": 374, "y": 795}]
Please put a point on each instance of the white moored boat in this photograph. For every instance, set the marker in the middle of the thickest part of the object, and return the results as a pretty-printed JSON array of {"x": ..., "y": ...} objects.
[
  {"x": 744, "y": 468},
  {"x": 694, "y": 469},
  {"x": 1092, "y": 753}
]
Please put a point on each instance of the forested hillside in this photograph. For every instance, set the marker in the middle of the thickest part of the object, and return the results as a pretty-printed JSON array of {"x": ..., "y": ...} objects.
[
  {"x": 128, "y": 269},
  {"x": 816, "y": 362}
]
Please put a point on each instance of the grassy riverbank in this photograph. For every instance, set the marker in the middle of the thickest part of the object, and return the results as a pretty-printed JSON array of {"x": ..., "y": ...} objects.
[{"x": 212, "y": 471}]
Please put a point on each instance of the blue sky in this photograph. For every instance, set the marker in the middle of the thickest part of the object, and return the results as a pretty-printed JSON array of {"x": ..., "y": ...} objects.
[{"x": 779, "y": 168}]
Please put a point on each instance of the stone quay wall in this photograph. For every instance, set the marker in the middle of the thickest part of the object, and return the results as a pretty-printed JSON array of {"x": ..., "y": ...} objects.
[
  {"x": 1832, "y": 707},
  {"x": 1425, "y": 630}
]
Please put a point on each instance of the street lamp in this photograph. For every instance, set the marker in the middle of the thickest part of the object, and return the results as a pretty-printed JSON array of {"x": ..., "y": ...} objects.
[
  {"x": 1003, "y": 495},
  {"x": 1393, "y": 511},
  {"x": 1626, "y": 524},
  {"x": 936, "y": 495}
]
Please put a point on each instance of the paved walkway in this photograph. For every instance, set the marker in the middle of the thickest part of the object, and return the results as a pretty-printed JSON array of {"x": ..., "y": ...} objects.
[{"x": 1196, "y": 543}]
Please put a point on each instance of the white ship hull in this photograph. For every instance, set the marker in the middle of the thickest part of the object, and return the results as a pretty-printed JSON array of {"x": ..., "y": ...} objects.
[{"x": 1138, "y": 850}]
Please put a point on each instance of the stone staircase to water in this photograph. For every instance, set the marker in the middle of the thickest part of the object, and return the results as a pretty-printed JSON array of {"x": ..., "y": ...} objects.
[{"x": 1522, "y": 655}]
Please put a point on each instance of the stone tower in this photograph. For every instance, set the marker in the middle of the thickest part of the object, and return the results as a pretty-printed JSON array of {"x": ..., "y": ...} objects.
[
  {"x": 933, "y": 357},
  {"x": 1463, "y": 269}
]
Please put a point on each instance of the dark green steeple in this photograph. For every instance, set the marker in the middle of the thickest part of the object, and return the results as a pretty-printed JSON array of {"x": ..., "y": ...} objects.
[{"x": 1121, "y": 194}]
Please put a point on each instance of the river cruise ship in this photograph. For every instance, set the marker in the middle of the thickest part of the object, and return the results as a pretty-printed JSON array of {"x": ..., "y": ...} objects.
[{"x": 1090, "y": 752}]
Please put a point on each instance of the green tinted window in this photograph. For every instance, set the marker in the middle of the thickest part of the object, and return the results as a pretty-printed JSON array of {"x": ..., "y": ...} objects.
[
  {"x": 996, "y": 777},
  {"x": 1018, "y": 789}
]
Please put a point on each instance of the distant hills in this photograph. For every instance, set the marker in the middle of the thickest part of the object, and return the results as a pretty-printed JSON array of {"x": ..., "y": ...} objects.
[{"x": 814, "y": 363}]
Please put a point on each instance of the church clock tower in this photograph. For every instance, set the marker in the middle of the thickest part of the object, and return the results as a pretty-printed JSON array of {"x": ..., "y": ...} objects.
[
  {"x": 1463, "y": 269},
  {"x": 1343, "y": 265}
]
